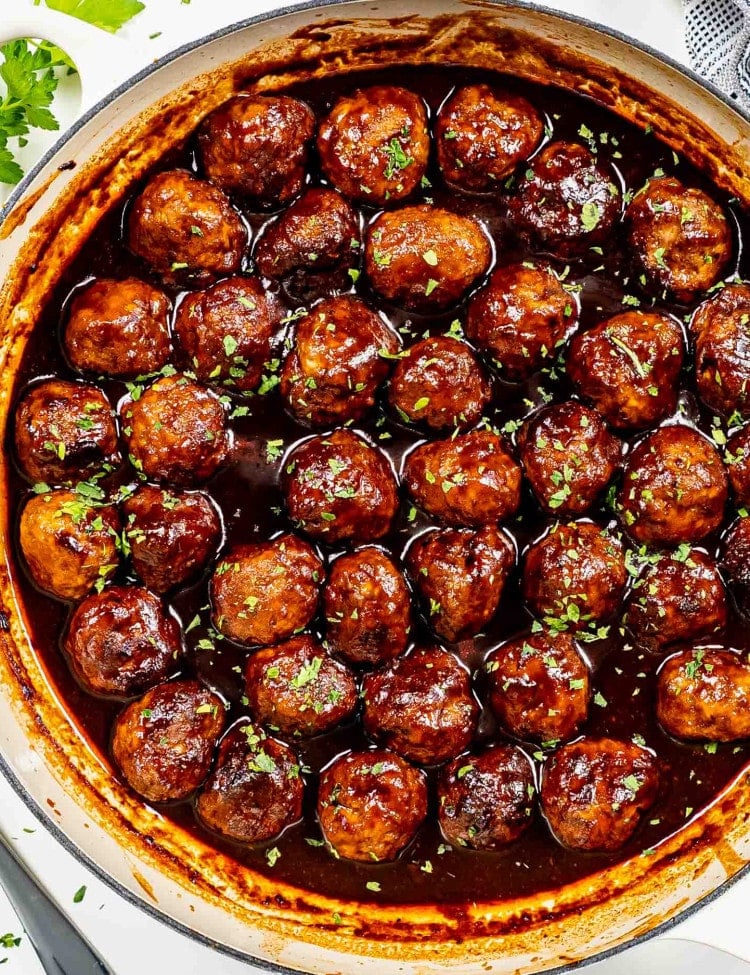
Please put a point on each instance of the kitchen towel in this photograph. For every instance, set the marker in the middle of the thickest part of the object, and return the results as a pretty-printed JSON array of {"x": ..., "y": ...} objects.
[{"x": 717, "y": 33}]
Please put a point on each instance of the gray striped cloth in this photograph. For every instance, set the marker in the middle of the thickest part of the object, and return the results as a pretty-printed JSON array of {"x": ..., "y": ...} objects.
[{"x": 718, "y": 42}]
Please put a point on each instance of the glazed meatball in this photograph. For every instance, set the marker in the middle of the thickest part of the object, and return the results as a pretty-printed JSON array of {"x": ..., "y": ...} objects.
[
  {"x": 628, "y": 367},
  {"x": 569, "y": 456},
  {"x": 122, "y": 641},
  {"x": 594, "y": 792},
  {"x": 466, "y": 480},
  {"x": 64, "y": 432},
  {"x": 737, "y": 459},
  {"x": 481, "y": 136},
  {"x": 736, "y": 562},
  {"x": 679, "y": 237},
  {"x": 298, "y": 688},
  {"x": 566, "y": 201},
  {"x": 440, "y": 383},
  {"x": 460, "y": 576},
  {"x": 163, "y": 743},
  {"x": 486, "y": 801},
  {"x": 424, "y": 258},
  {"x": 674, "y": 489},
  {"x": 225, "y": 333},
  {"x": 371, "y": 804},
  {"x": 118, "y": 328},
  {"x": 367, "y": 608},
  {"x": 339, "y": 488},
  {"x": 338, "y": 362},
  {"x": 521, "y": 318},
  {"x": 255, "y": 790},
  {"x": 262, "y": 593},
  {"x": 257, "y": 146},
  {"x": 172, "y": 535},
  {"x": 421, "y": 706},
  {"x": 68, "y": 543},
  {"x": 539, "y": 687},
  {"x": 176, "y": 431},
  {"x": 704, "y": 694},
  {"x": 374, "y": 144},
  {"x": 722, "y": 351}
]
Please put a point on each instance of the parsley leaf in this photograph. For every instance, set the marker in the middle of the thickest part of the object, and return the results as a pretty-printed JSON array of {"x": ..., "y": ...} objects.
[{"x": 109, "y": 15}]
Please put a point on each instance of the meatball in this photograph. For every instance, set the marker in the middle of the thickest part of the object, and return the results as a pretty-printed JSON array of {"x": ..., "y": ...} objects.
[
  {"x": 674, "y": 489},
  {"x": 482, "y": 134},
  {"x": 628, "y": 366},
  {"x": 255, "y": 790},
  {"x": 339, "y": 488},
  {"x": 440, "y": 383},
  {"x": 338, "y": 362},
  {"x": 172, "y": 535},
  {"x": 68, "y": 543},
  {"x": 264, "y": 592},
  {"x": 569, "y": 457},
  {"x": 64, "y": 432},
  {"x": 566, "y": 201},
  {"x": 486, "y": 801},
  {"x": 163, "y": 743},
  {"x": 539, "y": 687},
  {"x": 176, "y": 431},
  {"x": 225, "y": 333},
  {"x": 679, "y": 237},
  {"x": 521, "y": 318},
  {"x": 466, "y": 480},
  {"x": 297, "y": 688},
  {"x": 737, "y": 459},
  {"x": 722, "y": 350},
  {"x": 367, "y": 608},
  {"x": 371, "y": 804},
  {"x": 257, "y": 146},
  {"x": 122, "y": 641},
  {"x": 424, "y": 258},
  {"x": 421, "y": 706},
  {"x": 704, "y": 694},
  {"x": 374, "y": 145},
  {"x": 736, "y": 562},
  {"x": 594, "y": 792},
  {"x": 460, "y": 575},
  {"x": 118, "y": 328}
]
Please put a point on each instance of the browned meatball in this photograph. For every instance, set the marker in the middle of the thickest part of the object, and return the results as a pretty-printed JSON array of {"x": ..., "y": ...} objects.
[
  {"x": 737, "y": 459},
  {"x": 521, "y": 318},
  {"x": 257, "y": 146},
  {"x": 255, "y": 790},
  {"x": 679, "y": 236},
  {"x": 486, "y": 801},
  {"x": 264, "y": 592},
  {"x": 539, "y": 687},
  {"x": 65, "y": 432},
  {"x": 374, "y": 144},
  {"x": 569, "y": 456},
  {"x": 176, "y": 431},
  {"x": 425, "y": 258},
  {"x": 482, "y": 134},
  {"x": 704, "y": 694},
  {"x": 367, "y": 608},
  {"x": 628, "y": 366},
  {"x": 371, "y": 804},
  {"x": 225, "y": 333},
  {"x": 339, "y": 488},
  {"x": 298, "y": 688},
  {"x": 722, "y": 350},
  {"x": 338, "y": 362},
  {"x": 163, "y": 743},
  {"x": 122, "y": 641},
  {"x": 594, "y": 792},
  {"x": 185, "y": 229},
  {"x": 172, "y": 535},
  {"x": 574, "y": 576},
  {"x": 735, "y": 561},
  {"x": 118, "y": 328},
  {"x": 566, "y": 201},
  {"x": 68, "y": 543},
  {"x": 460, "y": 575},
  {"x": 674, "y": 489},
  {"x": 439, "y": 382},
  {"x": 466, "y": 480}
]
